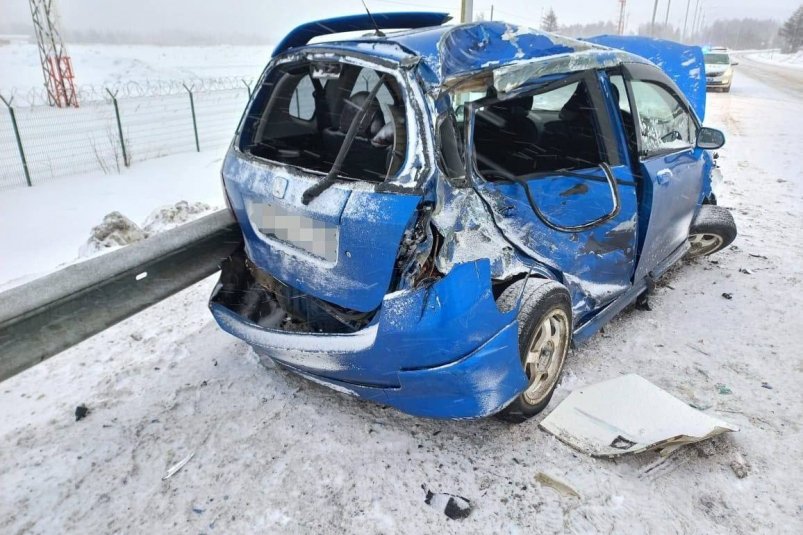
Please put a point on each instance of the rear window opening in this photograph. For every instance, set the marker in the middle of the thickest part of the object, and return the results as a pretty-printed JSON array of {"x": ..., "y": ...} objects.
[{"x": 303, "y": 111}]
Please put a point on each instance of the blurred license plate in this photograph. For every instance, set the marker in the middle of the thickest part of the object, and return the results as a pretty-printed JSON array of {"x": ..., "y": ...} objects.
[{"x": 316, "y": 237}]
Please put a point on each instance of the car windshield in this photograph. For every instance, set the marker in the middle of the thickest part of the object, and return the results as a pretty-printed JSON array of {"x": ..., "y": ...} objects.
[{"x": 717, "y": 59}]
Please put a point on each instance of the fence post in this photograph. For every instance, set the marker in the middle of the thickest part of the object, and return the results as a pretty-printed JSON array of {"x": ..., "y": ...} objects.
[
  {"x": 247, "y": 87},
  {"x": 194, "y": 122},
  {"x": 119, "y": 126},
  {"x": 19, "y": 139}
]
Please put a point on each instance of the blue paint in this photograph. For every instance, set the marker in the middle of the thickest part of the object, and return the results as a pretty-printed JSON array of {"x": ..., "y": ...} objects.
[
  {"x": 473, "y": 47},
  {"x": 598, "y": 263},
  {"x": 370, "y": 225},
  {"x": 440, "y": 347},
  {"x": 684, "y": 64},
  {"x": 448, "y": 340}
]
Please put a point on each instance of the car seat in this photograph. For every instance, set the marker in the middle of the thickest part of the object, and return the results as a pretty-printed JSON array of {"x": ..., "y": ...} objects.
[{"x": 364, "y": 159}]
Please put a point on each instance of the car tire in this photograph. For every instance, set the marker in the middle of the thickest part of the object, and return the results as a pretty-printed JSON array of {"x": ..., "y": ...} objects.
[
  {"x": 712, "y": 230},
  {"x": 545, "y": 333}
]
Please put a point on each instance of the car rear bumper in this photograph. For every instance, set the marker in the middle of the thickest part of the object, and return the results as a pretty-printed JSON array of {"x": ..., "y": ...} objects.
[
  {"x": 444, "y": 351},
  {"x": 718, "y": 81}
]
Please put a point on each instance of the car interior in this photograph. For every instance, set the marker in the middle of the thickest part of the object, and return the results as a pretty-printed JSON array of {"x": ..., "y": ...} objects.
[
  {"x": 533, "y": 134},
  {"x": 301, "y": 120}
]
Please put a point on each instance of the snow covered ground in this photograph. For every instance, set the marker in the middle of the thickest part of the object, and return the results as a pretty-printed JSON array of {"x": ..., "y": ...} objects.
[
  {"x": 774, "y": 57},
  {"x": 277, "y": 454},
  {"x": 44, "y": 227},
  {"x": 103, "y": 65}
]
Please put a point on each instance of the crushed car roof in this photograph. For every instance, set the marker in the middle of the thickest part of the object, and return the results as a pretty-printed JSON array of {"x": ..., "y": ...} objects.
[
  {"x": 452, "y": 51},
  {"x": 449, "y": 53}
]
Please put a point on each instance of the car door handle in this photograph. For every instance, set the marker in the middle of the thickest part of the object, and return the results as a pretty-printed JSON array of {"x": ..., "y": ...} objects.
[{"x": 663, "y": 176}]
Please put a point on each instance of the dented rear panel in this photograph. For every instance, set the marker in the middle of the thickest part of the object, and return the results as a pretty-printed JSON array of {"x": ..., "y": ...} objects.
[{"x": 367, "y": 228}]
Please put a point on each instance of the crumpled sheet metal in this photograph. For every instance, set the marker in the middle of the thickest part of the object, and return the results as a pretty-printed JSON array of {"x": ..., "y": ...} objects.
[
  {"x": 515, "y": 75},
  {"x": 629, "y": 415},
  {"x": 472, "y": 47}
]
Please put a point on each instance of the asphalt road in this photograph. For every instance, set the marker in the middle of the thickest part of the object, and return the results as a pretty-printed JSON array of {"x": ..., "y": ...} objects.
[{"x": 787, "y": 79}]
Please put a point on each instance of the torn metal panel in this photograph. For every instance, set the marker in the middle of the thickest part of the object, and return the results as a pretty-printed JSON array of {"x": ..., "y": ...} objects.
[
  {"x": 515, "y": 75},
  {"x": 596, "y": 264},
  {"x": 629, "y": 415},
  {"x": 470, "y": 233}
]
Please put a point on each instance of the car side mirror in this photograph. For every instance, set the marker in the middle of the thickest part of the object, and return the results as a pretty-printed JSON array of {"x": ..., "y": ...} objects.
[{"x": 710, "y": 138}]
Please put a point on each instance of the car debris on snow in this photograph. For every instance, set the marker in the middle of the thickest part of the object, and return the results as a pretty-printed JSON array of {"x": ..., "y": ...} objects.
[
  {"x": 629, "y": 415},
  {"x": 80, "y": 412},
  {"x": 178, "y": 466},
  {"x": 723, "y": 389},
  {"x": 453, "y": 506},
  {"x": 556, "y": 484},
  {"x": 727, "y": 296},
  {"x": 740, "y": 466}
]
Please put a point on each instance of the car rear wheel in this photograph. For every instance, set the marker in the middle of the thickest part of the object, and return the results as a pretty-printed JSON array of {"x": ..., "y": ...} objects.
[
  {"x": 712, "y": 230},
  {"x": 545, "y": 332}
]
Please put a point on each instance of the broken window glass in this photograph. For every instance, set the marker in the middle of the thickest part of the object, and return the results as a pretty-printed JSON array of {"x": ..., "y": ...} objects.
[
  {"x": 301, "y": 120},
  {"x": 663, "y": 120}
]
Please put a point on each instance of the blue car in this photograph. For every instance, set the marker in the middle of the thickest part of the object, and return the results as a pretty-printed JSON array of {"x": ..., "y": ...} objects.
[{"x": 433, "y": 214}]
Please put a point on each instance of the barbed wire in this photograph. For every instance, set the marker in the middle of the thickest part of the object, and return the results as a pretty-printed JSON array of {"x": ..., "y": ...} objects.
[{"x": 37, "y": 96}]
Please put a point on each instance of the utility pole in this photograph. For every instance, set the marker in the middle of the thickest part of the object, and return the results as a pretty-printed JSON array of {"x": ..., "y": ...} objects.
[
  {"x": 666, "y": 20},
  {"x": 652, "y": 24},
  {"x": 466, "y": 10},
  {"x": 700, "y": 17},
  {"x": 621, "y": 26},
  {"x": 694, "y": 18},
  {"x": 685, "y": 21},
  {"x": 492, "y": 12},
  {"x": 56, "y": 64}
]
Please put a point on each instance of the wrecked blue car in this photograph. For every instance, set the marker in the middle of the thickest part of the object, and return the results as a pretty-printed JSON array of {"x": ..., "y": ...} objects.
[{"x": 433, "y": 214}]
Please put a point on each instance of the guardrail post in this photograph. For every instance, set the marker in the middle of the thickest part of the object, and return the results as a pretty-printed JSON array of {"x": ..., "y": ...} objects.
[
  {"x": 19, "y": 139},
  {"x": 194, "y": 121},
  {"x": 247, "y": 87},
  {"x": 119, "y": 126}
]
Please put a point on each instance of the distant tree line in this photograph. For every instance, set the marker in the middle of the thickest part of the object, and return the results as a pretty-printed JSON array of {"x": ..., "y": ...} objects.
[
  {"x": 740, "y": 34},
  {"x": 732, "y": 33},
  {"x": 792, "y": 32}
]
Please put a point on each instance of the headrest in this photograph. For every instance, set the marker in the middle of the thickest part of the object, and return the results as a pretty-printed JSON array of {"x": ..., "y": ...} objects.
[
  {"x": 577, "y": 104},
  {"x": 615, "y": 93},
  {"x": 371, "y": 123},
  {"x": 517, "y": 107}
]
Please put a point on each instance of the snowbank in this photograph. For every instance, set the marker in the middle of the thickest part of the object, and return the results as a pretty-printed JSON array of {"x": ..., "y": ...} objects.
[
  {"x": 44, "y": 227},
  {"x": 773, "y": 57}
]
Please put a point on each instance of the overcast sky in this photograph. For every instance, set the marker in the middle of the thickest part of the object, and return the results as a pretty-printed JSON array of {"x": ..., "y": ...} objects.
[{"x": 273, "y": 18}]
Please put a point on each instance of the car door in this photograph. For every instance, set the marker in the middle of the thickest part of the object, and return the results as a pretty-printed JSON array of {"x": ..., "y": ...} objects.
[
  {"x": 547, "y": 164},
  {"x": 670, "y": 167}
]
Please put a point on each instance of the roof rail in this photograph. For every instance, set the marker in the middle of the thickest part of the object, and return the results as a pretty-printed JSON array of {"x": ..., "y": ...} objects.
[{"x": 302, "y": 35}]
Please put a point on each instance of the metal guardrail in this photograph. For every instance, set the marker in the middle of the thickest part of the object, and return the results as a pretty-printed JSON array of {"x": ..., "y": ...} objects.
[{"x": 43, "y": 317}]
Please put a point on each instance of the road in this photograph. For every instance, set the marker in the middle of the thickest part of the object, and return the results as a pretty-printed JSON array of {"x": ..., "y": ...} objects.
[
  {"x": 786, "y": 79},
  {"x": 273, "y": 453}
]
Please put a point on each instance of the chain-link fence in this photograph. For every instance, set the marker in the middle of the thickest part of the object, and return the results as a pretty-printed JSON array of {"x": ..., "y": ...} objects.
[
  {"x": 131, "y": 122},
  {"x": 39, "y": 143}
]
